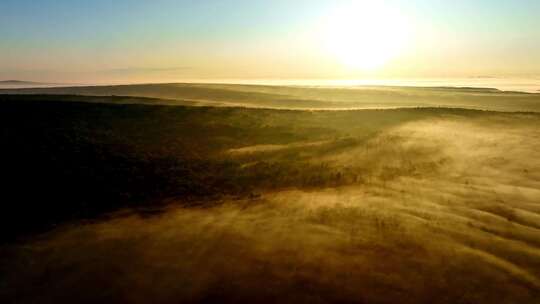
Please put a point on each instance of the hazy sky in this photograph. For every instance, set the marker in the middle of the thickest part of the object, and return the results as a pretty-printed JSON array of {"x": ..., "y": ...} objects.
[{"x": 166, "y": 40}]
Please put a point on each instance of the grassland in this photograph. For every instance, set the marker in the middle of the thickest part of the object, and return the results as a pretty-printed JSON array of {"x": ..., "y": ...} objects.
[{"x": 138, "y": 201}]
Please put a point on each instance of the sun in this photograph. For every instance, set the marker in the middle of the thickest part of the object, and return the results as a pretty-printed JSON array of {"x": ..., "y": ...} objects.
[{"x": 365, "y": 35}]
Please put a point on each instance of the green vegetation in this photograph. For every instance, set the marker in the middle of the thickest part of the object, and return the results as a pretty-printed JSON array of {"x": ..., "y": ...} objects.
[{"x": 227, "y": 204}]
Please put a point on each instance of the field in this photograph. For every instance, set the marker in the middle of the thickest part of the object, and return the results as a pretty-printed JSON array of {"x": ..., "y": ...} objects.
[{"x": 218, "y": 193}]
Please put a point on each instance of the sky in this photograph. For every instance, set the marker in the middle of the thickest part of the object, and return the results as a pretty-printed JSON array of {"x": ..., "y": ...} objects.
[{"x": 81, "y": 41}]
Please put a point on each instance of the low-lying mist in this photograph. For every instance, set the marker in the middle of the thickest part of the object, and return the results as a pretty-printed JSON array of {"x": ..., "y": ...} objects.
[{"x": 441, "y": 210}]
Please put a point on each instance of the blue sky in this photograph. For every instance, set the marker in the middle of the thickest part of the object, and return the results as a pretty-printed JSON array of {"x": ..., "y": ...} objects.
[{"x": 253, "y": 39}]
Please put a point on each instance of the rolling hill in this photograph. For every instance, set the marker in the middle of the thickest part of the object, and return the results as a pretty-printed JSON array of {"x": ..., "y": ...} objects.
[{"x": 296, "y": 97}]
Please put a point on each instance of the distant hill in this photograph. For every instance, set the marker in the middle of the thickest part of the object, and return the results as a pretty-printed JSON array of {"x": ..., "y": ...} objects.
[
  {"x": 299, "y": 97},
  {"x": 19, "y": 82},
  {"x": 22, "y": 84}
]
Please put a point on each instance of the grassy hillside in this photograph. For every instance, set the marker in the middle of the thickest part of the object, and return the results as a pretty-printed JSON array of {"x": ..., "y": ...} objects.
[
  {"x": 290, "y": 97},
  {"x": 206, "y": 204}
]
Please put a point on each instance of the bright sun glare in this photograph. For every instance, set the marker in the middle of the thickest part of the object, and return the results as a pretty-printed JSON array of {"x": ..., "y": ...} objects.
[{"x": 365, "y": 35}]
